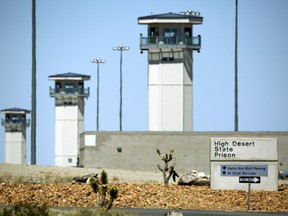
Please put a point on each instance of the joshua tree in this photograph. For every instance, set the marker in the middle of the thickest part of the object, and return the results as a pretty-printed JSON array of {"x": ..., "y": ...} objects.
[
  {"x": 101, "y": 190},
  {"x": 170, "y": 169}
]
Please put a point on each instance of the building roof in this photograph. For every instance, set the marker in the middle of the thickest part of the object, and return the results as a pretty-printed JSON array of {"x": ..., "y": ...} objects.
[
  {"x": 15, "y": 110},
  {"x": 69, "y": 76},
  {"x": 183, "y": 17}
]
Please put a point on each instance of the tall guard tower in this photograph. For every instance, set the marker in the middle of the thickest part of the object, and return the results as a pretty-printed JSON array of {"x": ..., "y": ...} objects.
[
  {"x": 15, "y": 124},
  {"x": 170, "y": 43},
  {"x": 69, "y": 94}
]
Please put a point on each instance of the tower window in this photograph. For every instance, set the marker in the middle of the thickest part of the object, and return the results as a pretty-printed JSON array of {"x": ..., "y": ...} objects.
[
  {"x": 58, "y": 85},
  {"x": 167, "y": 59},
  {"x": 69, "y": 88},
  {"x": 188, "y": 32},
  {"x": 68, "y": 103},
  {"x": 69, "y": 160},
  {"x": 153, "y": 33},
  {"x": 81, "y": 85},
  {"x": 170, "y": 35}
]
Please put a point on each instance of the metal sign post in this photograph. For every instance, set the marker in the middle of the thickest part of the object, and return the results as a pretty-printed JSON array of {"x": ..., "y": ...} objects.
[
  {"x": 248, "y": 197},
  {"x": 249, "y": 180}
]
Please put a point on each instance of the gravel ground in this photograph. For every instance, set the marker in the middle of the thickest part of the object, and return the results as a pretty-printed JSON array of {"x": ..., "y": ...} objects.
[{"x": 40, "y": 185}]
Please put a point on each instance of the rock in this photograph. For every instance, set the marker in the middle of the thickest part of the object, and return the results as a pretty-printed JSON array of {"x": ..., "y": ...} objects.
[
  {"x": 283, "y": 175},
  {"x": 91, "y": 180},
  {"x": 200, "y": 175},
  {"x": 84, "y": 178},
  {"x": 174, "y": 213},
  {"x": 194, "y": 178},
  {"x": 186, "y": 180}
]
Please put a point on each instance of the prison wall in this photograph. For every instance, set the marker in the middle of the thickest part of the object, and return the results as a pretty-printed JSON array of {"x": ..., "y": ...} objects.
[{"x": 138, "y": 150}]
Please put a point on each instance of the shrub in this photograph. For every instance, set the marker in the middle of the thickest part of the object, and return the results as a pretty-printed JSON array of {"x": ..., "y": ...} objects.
[
  {"x": 25, "y": 210},
  {"x": 33, "y": 210},
  {"x": 98, "y": 212}
]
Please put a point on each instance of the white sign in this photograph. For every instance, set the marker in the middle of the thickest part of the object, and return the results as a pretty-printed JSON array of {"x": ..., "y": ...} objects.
[
  {"x": 244, "y": 157},
  {"x": 237, "y": 149}
]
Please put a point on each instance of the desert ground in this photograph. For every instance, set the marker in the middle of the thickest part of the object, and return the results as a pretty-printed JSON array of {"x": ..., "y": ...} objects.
[{"x": 53, "y": 186}]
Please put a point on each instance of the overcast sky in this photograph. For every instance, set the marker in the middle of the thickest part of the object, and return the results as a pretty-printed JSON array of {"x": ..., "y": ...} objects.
[{"x": 71, "y": 32}]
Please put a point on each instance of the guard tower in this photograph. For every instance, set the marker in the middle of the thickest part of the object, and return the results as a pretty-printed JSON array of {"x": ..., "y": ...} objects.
[
  {"x": 170, "y": 44},
  {"x": 15, "y": 124},
  {"x": 69, "y": 94}
]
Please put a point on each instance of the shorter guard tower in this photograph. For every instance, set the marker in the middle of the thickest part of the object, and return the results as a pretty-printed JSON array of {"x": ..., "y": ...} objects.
[
  {"x": 69, "y": 94},
  {"x": 170, "y": 44},
  {"x": 15, "y": 124}
]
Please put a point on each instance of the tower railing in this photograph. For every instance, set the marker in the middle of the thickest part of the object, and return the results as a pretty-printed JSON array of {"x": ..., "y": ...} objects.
[
  {"x": 7, "y": 122},
  {"x": 158, "y": 42},
  {"x": 75, "y": 91}
]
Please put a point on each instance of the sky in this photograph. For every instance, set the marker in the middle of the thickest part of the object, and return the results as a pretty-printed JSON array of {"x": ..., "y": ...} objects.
[{"x": 72, "y": 32}]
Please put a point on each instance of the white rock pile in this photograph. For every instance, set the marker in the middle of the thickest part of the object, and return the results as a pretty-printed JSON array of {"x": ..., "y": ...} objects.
[{"x": 194, "y": 178}]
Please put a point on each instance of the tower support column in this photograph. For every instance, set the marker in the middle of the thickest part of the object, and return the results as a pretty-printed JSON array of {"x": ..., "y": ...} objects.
[{"x": 170, "y": 91}]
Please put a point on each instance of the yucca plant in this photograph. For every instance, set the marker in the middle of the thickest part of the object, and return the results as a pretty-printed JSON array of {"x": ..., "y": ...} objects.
[{"x": 101, "y": 190}]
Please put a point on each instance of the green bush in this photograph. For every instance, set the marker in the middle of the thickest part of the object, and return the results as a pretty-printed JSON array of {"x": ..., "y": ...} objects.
[
  {"x": 25, "y": 210},
  {"x": 34, "y": 210},
  {"x": 98, "y": 212}
]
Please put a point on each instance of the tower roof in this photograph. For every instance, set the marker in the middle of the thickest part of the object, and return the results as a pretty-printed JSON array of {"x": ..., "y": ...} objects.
[
  {"x": 15, "y": 110},
  {"x": 69, "y": 76},
  {"x": 183, "y": 17}
]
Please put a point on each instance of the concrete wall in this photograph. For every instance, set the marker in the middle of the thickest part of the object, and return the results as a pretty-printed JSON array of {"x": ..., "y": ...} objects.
[
  {"x": 170, "y": 90},
  {"x": 69, "y": 124},
  {"x": 15, "y": 147},
  {"x": 137, "y": 150}
]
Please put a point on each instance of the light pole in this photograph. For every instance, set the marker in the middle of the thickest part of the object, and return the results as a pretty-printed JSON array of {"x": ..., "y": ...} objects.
[
  {"x": 236, "y": 68},
  {"x": 121, "y": 48},
  {"x": 34, "y": 84},
  {"x": 97, "y": 61}
]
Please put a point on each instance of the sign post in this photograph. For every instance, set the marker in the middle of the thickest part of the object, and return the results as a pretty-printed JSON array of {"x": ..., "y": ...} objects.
[
  {"x": 248, "y": 197},
  {"x": 249, "y": 180}
]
